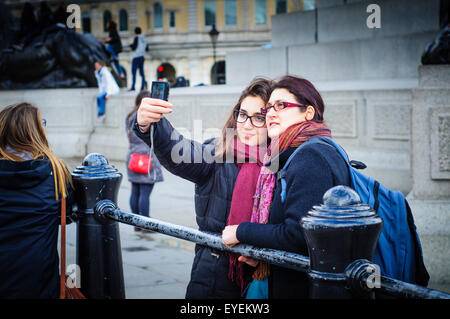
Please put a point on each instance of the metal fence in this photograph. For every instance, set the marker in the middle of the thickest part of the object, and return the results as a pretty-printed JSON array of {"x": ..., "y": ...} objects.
[{"x": 352, "y": 275}]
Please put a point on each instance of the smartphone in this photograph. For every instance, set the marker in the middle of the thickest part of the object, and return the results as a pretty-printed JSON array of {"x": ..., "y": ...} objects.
[{"x": 160, "y": 90}]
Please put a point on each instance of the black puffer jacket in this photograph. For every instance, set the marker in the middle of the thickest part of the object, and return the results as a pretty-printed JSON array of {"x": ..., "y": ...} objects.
[
  {"x": 29, "y": 218},
  {"x": 214, "y": 183}
]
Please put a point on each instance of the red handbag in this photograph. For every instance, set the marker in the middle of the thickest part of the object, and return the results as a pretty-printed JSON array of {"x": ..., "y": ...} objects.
[{"x": 140, "y": 163}]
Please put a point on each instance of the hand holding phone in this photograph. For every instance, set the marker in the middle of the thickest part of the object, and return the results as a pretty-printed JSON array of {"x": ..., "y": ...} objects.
[
  {"x": 153, "y": 109},
  {"x": 160, "y": 90}
]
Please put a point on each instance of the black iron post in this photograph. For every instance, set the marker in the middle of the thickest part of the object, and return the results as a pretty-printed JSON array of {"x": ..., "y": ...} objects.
[
  {"x": 338, "y": 232},
  {"x": 214, "y": 34},
  {"x": 99, "y": 254}
]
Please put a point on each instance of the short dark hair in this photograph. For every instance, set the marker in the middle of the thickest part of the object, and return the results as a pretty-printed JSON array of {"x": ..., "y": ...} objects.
[
  {"x": 137, "y": 30},
  {"x": 304, "y": 92}
]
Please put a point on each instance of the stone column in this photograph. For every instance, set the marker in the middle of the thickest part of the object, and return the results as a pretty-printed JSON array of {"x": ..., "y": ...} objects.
[
  {"x": 192, "y": 15},
  {"x": 132, "y": 17},
  {"x": 96, "y": 18},
  {"x": 430, "y": 163}
]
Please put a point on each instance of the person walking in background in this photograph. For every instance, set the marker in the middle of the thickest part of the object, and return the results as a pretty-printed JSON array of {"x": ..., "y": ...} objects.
[
  {"x": 139, "y": 47},
  {"x": 107, "y": 86},
  {"x": 141, "y": 183},
  {"x": 32, "y": 182},
  {"x": 114, "y": 45}
]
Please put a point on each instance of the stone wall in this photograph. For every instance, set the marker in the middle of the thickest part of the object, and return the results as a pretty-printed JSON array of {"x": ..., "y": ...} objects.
[
  {"x": 373, "y": 125},
  {"x": 430, "y": 157},
  {"x": 333, "y": 43}
]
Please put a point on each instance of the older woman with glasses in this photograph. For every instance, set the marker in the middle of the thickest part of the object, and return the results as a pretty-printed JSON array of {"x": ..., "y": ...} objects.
[
  {"x": 294, "y": 114},
  {"x": 224, "y": 186}
]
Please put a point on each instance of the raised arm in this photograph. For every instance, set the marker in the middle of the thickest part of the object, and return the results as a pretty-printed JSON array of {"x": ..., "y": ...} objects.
[{"x": 179, "y": 155}]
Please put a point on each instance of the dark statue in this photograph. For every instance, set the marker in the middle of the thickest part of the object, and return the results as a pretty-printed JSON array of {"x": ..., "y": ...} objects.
[
  {"x": 438, "y": 51},
  {"x": 44, "y": 53}
]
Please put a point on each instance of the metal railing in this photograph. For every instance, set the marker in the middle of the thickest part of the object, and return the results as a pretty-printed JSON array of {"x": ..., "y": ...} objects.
[
  {"x": 355, "y": 276},
  {"x": 350, "y": 276}
]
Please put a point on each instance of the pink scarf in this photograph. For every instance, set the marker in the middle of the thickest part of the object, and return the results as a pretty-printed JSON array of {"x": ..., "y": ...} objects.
[
  {"x": 294, "y": 136},
  {"x": 248, "y": 160}
]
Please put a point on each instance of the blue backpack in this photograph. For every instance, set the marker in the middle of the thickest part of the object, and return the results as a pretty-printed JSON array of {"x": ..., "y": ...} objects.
[{"x": 398, "y": 252}]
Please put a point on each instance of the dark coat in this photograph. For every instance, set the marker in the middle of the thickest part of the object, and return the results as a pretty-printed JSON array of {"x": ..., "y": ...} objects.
[
  {"x": 29, "y": 218},
  {"x": 214, "y": 183},
  {"x": 314, "y": 169}
]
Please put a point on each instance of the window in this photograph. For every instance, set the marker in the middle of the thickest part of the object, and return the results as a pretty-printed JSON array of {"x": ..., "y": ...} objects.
[
  {"x": 86, "y": 22},
  {"x": 230, "y": 12},
  {"x": 309, "y": 5},
  {"x": 157, "y": 16},
  {"x": 106, "y": 18},
  {"x": 123, "y": 20},
  {"x": 172, "y": 21},
  {"x": 210, "y": 12},
  {"x": 281, "y": 6},
  {"x": 260, "y": 13}
]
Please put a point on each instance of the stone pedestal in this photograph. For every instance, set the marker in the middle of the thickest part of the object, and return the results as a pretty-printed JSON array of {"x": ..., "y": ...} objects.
[{"x": 430, "y": 163}]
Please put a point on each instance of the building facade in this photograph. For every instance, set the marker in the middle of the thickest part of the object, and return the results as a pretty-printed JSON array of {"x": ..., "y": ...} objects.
[{"x": 178, "y": 31}]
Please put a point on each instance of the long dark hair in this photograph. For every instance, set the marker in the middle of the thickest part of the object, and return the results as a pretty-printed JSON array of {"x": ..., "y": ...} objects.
[
  {"x": 304, "y": 92},
  {"x": 258, "y": 87},
  {"x": 137, "y": 101},
  {"x": 21, "y": 129}
]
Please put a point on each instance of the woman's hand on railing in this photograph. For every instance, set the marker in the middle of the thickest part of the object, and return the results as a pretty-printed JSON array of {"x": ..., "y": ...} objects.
[
  {"x": 229, "y": 238},
  {"x": 151, "y": 111}
]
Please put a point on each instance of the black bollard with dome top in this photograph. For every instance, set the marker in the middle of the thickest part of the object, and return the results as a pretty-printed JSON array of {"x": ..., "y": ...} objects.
[{"x": 99, "y": 254}]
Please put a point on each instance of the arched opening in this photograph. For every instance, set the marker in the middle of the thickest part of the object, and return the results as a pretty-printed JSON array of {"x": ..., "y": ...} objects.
[
  {"x": 107, "y": 16},
  {"x": 280, "y": 6},
  {"x": 218, "y": 73},
  {"x": 166, "y": 71},
  {"x": 86, "y": 22}
]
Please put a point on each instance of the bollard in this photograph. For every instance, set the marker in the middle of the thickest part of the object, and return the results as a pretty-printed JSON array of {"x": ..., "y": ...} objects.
[
  {"x": 99, "y": 254},
  {"x": 338, "y": 232}
]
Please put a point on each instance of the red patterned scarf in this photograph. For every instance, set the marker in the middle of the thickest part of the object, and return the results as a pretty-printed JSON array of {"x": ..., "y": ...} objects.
[
  {"x": 249, "y": 160},
  {"x": 294, "y": 136}
]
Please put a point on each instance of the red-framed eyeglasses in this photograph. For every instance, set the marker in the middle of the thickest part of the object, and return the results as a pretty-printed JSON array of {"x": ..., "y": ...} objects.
[{"x": 279, "y": 105}]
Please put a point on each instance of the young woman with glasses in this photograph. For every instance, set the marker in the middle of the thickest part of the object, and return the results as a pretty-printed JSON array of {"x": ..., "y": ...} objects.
[
  {"x": 224, "y": 186},
  {"x": 294, "y": 114}
]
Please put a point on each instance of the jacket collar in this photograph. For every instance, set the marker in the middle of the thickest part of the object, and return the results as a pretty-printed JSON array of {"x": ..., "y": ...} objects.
[{"x": 277, "y": 163}]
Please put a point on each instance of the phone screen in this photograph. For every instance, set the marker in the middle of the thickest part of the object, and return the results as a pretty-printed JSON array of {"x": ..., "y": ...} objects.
[{"x": 160, "y": 90}]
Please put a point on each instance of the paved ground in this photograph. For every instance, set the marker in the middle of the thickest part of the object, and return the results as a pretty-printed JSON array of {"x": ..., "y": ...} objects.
[{"x": 155, "y": 265}]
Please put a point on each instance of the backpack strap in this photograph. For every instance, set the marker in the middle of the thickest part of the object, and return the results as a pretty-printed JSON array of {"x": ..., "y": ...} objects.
[
  {"x": 325, "y": 141},
  {"x": 421, "y": 274},
  {"x": 282, "y": 173}
]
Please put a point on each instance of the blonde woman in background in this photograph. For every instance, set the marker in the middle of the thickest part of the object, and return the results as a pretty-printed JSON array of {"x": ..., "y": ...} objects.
[{"x": 32, "y": 182}]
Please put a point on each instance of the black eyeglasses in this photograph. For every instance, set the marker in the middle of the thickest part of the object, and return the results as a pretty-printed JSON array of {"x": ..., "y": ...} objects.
[
  {"x": 257, "y": 120},
  {"x": 279, "y": 105}
]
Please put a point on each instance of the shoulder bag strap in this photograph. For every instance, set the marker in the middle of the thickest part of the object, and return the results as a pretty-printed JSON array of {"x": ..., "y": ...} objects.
[{"x": 62, "y": 276}]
